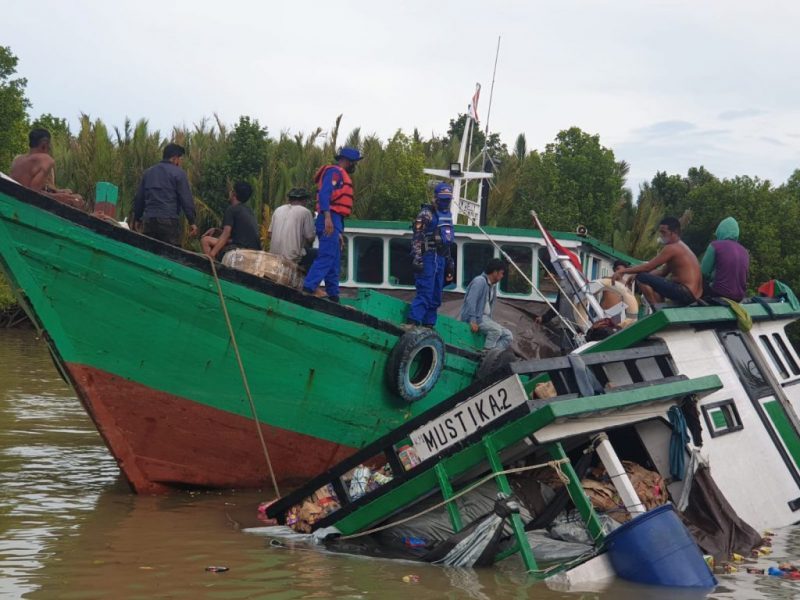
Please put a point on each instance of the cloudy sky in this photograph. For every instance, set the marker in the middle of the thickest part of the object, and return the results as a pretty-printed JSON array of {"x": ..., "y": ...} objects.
[{"x": 667, "y": 85}]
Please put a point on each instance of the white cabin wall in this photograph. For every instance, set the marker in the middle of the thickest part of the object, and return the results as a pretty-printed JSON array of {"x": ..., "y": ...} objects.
[
  {"x": 785, "y": 371},
  {"x": 748, "y": 455}
]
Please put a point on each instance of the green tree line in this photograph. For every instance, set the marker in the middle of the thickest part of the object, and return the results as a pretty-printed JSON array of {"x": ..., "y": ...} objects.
[{"x": 574, "y": 180}]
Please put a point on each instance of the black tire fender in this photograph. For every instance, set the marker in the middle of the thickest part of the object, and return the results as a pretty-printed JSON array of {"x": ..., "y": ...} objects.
[{"x": 415, "y": 363}]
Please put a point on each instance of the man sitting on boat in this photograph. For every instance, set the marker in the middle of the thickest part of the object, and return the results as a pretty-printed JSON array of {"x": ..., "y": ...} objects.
[
  {"x": 726, "y": 263},
  {"x": 479, "y": 304},
  {"x": 291, "y": 229},
  {"x": 685, "y": 285},
  {"x": 239, "y": 225},
  {"x": 334, "y": 203},
  {"x": 433, "y": 266},
  {"x": 37, "y": 169},
  {"x": 163, "y": 193}
]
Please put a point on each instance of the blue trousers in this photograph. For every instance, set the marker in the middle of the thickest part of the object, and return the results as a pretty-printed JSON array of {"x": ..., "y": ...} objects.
[
  {"x": 429, "y": 285},
  {"x": 327, "y": 264}
]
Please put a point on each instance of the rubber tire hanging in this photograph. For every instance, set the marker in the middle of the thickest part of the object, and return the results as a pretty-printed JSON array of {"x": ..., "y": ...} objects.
[{"x": 415, "y": 363}]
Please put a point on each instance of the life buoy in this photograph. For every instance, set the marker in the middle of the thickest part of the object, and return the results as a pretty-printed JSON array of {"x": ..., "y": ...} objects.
[
  {"x": 632, "y": 304},
  {"x": 415, "y": 363}
]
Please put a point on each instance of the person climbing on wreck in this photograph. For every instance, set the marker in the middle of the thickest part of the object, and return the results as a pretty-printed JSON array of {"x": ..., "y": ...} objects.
[
  {"x": 37, "y": 170},
  {"x": 432, "y": 262},
  {"x": 676, "y": 260},
  {"x": 479, "y": 304},
  {"x": 726, "y": 263},
  {"x": 334, "y": 203}
]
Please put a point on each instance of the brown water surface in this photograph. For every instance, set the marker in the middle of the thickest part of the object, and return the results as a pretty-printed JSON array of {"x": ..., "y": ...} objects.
[{"x": 70, "y": 528}]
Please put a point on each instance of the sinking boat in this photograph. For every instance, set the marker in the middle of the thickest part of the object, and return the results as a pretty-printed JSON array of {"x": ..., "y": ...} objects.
[{"x": 709, "y": 409}]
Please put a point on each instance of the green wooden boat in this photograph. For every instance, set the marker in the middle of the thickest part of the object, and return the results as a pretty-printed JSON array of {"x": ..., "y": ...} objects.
[{"x": 136, "y": 326}]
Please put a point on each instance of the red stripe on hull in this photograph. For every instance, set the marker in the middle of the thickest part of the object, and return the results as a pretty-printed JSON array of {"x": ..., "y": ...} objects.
[{"x": 162, "y": 441}]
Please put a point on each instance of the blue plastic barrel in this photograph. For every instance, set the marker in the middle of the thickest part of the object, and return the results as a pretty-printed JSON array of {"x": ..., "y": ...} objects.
[{"x": 656, "y": 549}]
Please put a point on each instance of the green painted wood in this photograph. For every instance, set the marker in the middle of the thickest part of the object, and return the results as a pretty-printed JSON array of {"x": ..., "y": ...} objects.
[
  {"x": 691, "y": 315},
  {"x": 785, "y": 429},
  {"x": 516, "y": 520},
  {"x": 578, "y": 496},
  {"x": 447, "y": 493},
  {"x": 149, "y": 319},
  {"x": 426, "y": 483},
  {"x": 106, "y": 192},
  {"x": 389, "y": 308}
]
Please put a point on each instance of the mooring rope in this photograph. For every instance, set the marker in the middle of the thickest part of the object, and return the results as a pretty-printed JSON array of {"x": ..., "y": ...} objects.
[
  {"x": 244, "y": 376},
  {"x": 554, "y": 464}
]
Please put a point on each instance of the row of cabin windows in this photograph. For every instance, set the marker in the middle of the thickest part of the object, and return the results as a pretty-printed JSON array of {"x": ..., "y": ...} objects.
[
  {"x": 780, "y": 355},
  {"x": 368, "y": 264}
]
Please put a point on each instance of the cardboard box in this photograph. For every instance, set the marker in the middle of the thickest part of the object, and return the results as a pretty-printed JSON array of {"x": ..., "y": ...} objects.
[{"x": 263, "y": 264}]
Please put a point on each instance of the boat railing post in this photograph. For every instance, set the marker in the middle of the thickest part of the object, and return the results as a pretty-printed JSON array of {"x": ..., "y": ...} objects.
[
  {"x": 516, "y": 520},
  {"x": 447, "y": 493},
  {"x": 577, "y": 495},
  {"x": 618, "y": 476}
]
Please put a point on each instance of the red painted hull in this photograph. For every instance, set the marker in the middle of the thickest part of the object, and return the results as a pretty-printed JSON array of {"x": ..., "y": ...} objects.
[{"x": 162, "y": 441}]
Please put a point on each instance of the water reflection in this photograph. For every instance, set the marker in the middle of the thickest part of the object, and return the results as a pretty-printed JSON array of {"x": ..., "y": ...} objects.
[{"x": 71, "y": 529}]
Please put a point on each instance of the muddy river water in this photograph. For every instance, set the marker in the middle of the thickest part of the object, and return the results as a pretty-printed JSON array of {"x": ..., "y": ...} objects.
[{"x": 70, "y": 528}]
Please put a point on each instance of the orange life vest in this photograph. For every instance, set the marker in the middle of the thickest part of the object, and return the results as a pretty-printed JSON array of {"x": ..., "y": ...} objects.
[{"x": 342, "y": 195}]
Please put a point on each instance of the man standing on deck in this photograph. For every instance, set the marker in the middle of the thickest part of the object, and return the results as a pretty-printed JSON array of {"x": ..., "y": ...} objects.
[
  {"x": 434, "y": 234},
  {"x": 239, "y": 225},
  {"x": 685, "y": 285},
  {"x": 334, "y": 204},
  {"x": 163, "y": 193},
  {"x": 291, "y": 229},
  {"x": 479, "y": 304},
  {"x": 37, "y": 170},
  {"x": 726, "y": 263}
]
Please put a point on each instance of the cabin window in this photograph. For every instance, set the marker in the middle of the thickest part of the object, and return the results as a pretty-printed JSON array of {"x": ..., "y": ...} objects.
[
  {"x": 546, "y": 284},
  {"x": 773, "y": 355},
  {"x": 721, "y": 418},
  {"x": 745, "y": 366},
  {"x": 454, "y": 254},
  {"x": 475, "y": 258},
  {"x": 368, "y": 259},
  {"x": 344, "y": 265},
  {"x": 400, "y": 271},
  {"x": 513, "y": 282},
  {"x": 786, "y": 353},
  {"x": 595, "y": 268}
]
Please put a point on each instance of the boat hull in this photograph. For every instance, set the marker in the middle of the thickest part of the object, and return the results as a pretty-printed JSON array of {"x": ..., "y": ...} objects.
[
  {"x": 138, "y": 328},
  {"x": 162, "y": 441}
]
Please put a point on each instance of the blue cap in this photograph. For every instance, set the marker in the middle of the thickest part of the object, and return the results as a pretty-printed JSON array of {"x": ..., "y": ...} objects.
[
  {"x": 349, "y": 154},
  {"x": 443, "y": 191}
]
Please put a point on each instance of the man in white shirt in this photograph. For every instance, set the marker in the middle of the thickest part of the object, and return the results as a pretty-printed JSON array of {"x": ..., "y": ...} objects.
[{"x": 291, "y": 229}]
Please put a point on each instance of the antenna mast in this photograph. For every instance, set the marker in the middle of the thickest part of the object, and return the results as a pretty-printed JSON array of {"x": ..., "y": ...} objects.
[{"x": 488, "y": 114}]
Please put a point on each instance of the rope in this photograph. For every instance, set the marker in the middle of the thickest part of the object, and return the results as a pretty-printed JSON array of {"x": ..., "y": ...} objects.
[
  {"x": 244, "y": 376},
  {"x": 554, "y": 464},
  {"x": 527, "y": 279}
]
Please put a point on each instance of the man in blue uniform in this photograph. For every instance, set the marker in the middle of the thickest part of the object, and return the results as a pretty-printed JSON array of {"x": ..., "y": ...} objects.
[
  {"x": 434, "y": 233},
  {"x": 334, "y": 204}
]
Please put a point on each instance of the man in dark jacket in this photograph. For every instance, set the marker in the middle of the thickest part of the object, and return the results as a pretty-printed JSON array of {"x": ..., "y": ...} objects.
[{"x": 163, "y": 194}]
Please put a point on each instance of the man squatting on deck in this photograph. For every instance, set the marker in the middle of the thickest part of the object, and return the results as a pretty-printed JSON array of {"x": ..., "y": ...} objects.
[
  {"x": 291, "y": 229},
  {"x": 334, "y": 203},
  {"x": 685, "y": 285},
  {"x": 432, "y": 262},
  {"x": 37, "y": 170},
  {"x": 239, "y": 225},
  {"x": 479, "y": 303},
  {"x": 163, "y": 193}
]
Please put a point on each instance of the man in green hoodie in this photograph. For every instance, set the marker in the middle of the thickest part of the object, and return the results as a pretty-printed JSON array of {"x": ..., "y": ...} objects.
[{"x": 726, "y": 263}]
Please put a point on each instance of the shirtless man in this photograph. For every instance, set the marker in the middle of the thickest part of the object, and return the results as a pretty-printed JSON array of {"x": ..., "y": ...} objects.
[
  {"x": 37, "y": 170},
  {"x": 685, "y": 284}
]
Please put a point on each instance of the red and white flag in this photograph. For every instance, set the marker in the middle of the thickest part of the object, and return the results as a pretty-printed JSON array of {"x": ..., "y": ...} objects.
[{"x": 473, "y": 108}]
